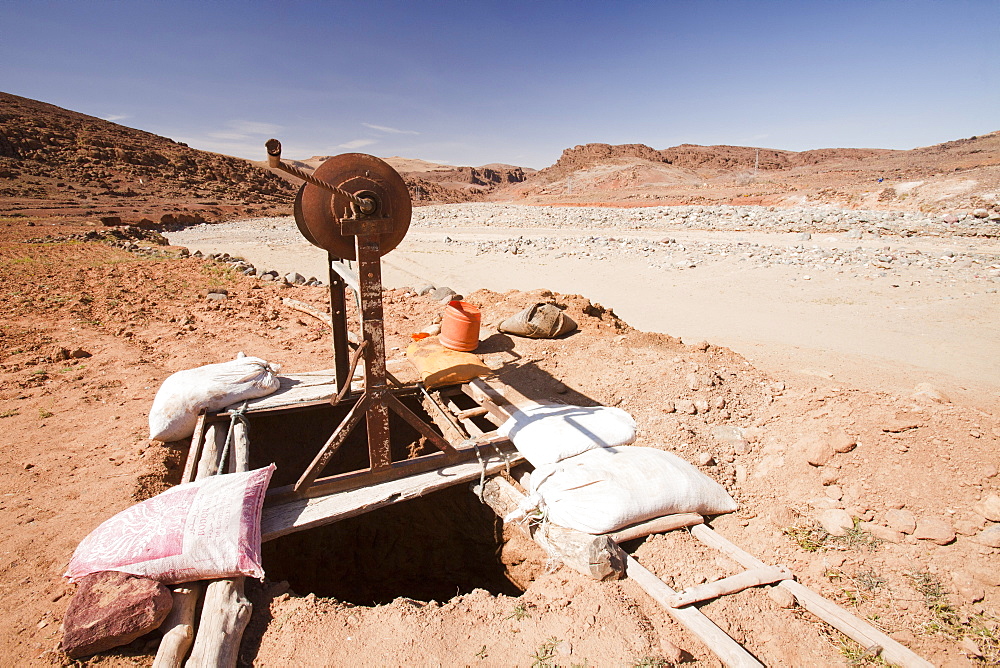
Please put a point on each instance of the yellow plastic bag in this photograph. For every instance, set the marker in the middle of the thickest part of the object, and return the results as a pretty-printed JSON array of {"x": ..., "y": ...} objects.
[{"x": 439, "y": 366}]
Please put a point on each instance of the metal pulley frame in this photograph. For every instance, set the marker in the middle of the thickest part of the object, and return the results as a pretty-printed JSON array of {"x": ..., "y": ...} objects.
[{"x": 356, "y": 207}]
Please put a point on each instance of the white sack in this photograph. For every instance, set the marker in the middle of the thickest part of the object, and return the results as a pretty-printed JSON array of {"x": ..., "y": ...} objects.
[
  {"x": 606, "y": 489},
  {"x": 184, "y": 394},
  {"x": 548, "y": 433}
]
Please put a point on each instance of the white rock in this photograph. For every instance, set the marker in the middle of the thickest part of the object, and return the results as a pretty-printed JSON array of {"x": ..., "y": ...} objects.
[{"x": 836, "y": 521}]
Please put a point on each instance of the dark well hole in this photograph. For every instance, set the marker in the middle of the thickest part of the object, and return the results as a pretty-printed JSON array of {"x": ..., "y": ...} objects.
[
  {"x": 431, "y": 548},
  {"x": 290, "y": 438}
]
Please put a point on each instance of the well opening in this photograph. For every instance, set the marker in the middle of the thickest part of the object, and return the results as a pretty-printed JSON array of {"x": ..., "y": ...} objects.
[
  {"x": 291, "y": 437},
  {"x": 431, "y": 548}
]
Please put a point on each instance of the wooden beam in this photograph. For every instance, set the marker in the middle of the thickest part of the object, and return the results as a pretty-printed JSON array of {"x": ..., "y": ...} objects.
[
  {"x": 294, "y": 515},
  {"x": 853, "y": 627},
  {"x": 754, "y": 577},
  {"x": 226, "y": 610},
  {"x": 657, "y": 525},
  {"x": 730, "y": 652},
  {"x": 178, "y": 627},
  {"x": 194, "y": 452}
]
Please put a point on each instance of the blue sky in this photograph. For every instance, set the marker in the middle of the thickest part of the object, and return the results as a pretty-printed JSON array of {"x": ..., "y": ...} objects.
[{"x": 517, "y": 82}]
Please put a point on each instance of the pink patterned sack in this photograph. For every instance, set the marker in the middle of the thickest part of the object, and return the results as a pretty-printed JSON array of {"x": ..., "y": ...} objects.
[{"x": 201, "y": 530}]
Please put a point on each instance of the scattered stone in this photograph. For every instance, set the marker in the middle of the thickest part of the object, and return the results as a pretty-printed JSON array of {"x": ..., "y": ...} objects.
[
  {"x": 701, "y": 405},
  {"x": 781, "y": 596},
  {"x": 443, "y": 294},
  {"x": 989, "y": 508},
  {"x": 828, "y": 476},
  {"x": 842, "y": 442},
  {"x": 967, "y": 587},
  {"x": 111, "y": 609},
  {"x": 685, "y": 406},
  {"x": 669, "y": 652},
  {"x": 980, "y": 213},
  {"x": 836, "y": 521},
  {"x": 969, "y": 527},
  {"x": 970, "y": 647},
  {"x": 705, "y": 459},
  {"x": 902, "y": 422},
  {"x": 935, "y": 530},
  {"x": 834, "y": 492},
  {"x": 216, "y": 297},
  {"x": 111, "y": 221},
  {"x": 990, "y": 537},
  {"x": 818, "y": 451},
  {"x": 901, "y": 520},
  {"x": 425, "y": 290},
  {"x": 668, "y": 407},
  {"x": 882, "y": 533},
  {"x": 926, "y": 393},
  {"x": 295, "y": 278}
]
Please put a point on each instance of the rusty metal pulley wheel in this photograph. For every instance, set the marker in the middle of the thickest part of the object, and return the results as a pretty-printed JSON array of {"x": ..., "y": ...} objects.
[{"x": 323, "y": 217}]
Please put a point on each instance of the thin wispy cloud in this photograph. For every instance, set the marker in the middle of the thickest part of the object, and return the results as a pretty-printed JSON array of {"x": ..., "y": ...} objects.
[
  {"x": 357, "y": 143},
  {"x": 116, "y": 117},
  {"x": 241, "y": 130},
  {"x": 388, "y": 130}
]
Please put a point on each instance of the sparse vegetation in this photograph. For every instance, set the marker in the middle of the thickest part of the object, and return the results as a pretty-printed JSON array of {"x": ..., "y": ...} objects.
[
  {"x": 651, "y": 662},
  {"x": 519, "y": 612},
  {"x": 9, "y": 413},
  {"x": 949, "y": 621},
  {"x": 856, "y": 655},
  {"x": 44, "y": 414},
  {"x": 542, "y": 658},
  {"x": 810, "y": 537}
]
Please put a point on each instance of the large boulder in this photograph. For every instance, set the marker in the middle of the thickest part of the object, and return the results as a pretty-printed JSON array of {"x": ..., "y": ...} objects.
[{"x": 111, "y": 609}]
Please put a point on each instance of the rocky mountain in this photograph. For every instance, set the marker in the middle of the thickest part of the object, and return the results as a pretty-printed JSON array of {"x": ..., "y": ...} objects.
[
  {"x": 53, "y": 159},
  {"x": 964, "y": 173}
]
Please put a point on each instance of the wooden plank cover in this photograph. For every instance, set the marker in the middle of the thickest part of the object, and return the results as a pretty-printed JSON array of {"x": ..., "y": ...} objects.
[{"x": 299, "y": 514}]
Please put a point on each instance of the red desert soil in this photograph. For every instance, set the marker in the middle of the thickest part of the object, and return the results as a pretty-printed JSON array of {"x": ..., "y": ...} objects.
[{"x": 76, "y": 452}]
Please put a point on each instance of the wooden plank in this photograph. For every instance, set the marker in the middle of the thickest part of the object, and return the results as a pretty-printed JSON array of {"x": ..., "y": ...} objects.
[
  {"x": 298, "y": 514},
  {"x": 853, "y": 627},
  {"x": 308, "y": 387},
  {"x": 226, "y": 610},
  {"x": 730, "y": 652},
  {"x": 657, "y": 525},
  {"x": 215, "y": 441},
  {"x": 754, "y": 577},
  {"x": 194, "y": 452},
  {"x": 178, "y": 627}
]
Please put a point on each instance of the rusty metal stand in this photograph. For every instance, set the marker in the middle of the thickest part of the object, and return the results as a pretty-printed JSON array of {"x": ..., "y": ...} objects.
[{"x": 356, "y": 206}]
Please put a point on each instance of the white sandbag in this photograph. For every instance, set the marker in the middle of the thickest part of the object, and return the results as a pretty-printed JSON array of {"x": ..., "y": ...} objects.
[
  {"x": 547, "y": 433},
  {"x": 605, "y": 489},
  {"x": 184, "y": 394}
]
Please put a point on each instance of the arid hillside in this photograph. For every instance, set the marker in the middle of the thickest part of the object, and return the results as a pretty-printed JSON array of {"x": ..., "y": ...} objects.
[{"x": 59, "y": 162}]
